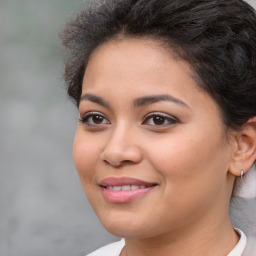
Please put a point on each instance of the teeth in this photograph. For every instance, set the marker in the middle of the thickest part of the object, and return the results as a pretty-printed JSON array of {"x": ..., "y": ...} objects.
[
  {"x": 125, "y": 187},
  {"x": 117, "y": 188},
  {"x": 134, "y": 187}
]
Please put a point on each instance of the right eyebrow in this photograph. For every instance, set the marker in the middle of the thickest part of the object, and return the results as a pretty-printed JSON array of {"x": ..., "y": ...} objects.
[
  {"x": 95, "y": 99},
  {"x": 146, "y": 100}
]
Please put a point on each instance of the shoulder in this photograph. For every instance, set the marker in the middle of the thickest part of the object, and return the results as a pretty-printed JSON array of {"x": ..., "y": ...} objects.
[{"x": 113, "y": 249}]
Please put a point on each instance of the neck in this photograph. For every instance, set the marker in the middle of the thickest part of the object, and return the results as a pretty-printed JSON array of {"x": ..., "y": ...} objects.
[{"x": 202, "y": 239}]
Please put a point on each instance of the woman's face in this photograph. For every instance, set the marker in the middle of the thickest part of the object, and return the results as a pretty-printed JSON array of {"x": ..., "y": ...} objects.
[{"x": 150, "y": 148}]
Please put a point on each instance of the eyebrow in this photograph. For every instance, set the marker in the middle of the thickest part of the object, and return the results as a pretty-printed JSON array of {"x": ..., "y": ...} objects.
[
  {"x": 96, "y": 99},
  {"x": 139, "y": 102}
]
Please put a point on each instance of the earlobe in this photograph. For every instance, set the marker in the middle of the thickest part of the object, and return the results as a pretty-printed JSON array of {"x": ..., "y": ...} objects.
[{"x": 244, "y": 153}]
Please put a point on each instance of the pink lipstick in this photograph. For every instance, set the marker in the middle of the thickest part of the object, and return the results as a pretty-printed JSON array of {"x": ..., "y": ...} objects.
[{"x": 124, "y": 189}]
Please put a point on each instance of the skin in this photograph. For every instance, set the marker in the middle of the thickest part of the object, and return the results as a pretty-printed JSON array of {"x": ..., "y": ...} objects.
[{"x": 188, "y": 155}]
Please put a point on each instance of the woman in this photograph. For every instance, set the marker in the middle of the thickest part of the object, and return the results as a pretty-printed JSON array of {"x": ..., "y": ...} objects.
[{"x": 167, "y": 121}]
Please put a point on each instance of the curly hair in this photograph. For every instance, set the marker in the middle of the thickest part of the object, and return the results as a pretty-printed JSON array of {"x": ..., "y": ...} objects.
[{"x": 216, "y": 37}]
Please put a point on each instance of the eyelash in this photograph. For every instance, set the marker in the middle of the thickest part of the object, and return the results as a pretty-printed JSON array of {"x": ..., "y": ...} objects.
[
  {"x": 86, "y": 119},
  {"x": 163, "y": 117},
  {"x": 168, "y": 120}
]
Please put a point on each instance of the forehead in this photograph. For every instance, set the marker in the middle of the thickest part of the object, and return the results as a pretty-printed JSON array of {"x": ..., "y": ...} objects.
[
  {"x": 133, "y": 67},
  {"x": 123, "y": 70},
  {"x": 136, "y": 61}
]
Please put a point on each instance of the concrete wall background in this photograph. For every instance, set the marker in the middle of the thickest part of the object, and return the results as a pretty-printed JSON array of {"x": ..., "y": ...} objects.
[{"x": 43, "y": 208}]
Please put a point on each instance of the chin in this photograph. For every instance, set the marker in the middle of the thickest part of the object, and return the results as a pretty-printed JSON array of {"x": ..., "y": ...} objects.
[{"x": 123, "y": 227}]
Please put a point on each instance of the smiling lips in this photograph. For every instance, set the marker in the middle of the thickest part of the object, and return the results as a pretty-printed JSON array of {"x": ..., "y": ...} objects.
[{"x": 124, "y": 189}]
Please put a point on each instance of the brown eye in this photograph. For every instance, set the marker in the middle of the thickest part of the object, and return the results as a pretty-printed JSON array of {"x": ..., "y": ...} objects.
[
  {"x": 158, "y": 120},
  {"x": 155, "y": 119},
  {"x": 94, "y": 119},
  {"x": 97, "y": 119}
]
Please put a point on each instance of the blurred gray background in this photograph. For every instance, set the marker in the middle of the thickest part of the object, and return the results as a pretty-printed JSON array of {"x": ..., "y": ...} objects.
[{"x": 43, "y": 210}]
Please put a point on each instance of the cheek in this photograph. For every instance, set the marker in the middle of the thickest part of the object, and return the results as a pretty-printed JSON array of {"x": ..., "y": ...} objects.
[
  {"x": 190, "y": 181},
  {"x": 85, "y": 154},
  {"x": 192, "y": 146},
  {"x": 188, "y": 165},
  {"x": 178, "y": 153}
]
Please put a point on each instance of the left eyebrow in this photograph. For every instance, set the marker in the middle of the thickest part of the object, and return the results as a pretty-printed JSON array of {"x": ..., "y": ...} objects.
[
  {"x": 139, "y": 102},
  {"x": 95, "y": 99}
]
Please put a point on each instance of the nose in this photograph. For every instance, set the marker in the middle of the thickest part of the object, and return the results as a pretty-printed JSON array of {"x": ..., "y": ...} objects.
[{"x": 121, "y": 148}]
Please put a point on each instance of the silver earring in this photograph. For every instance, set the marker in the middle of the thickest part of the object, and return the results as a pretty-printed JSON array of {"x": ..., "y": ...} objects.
[{"x": 242, "y": 173}]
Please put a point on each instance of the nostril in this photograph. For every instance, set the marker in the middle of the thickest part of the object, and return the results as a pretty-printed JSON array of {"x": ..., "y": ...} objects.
[
  {"x": 116, "y": 156},
  {"x": 126, "y": 162},
  {"x": 117, "y": 164},
  {"x": 112, "y": 163},
  {"x": 106, "y": 162}
]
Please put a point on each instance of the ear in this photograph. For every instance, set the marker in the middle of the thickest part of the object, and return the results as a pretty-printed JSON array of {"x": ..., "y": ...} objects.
[{"x": 244, "y": 153}]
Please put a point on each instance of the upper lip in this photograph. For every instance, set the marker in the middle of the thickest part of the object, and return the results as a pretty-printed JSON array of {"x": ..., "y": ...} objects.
[{"x": 122, "y": 181}]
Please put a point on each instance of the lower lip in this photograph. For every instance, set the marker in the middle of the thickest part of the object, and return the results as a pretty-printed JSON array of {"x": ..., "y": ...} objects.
[{"x": 124, "y": 196}]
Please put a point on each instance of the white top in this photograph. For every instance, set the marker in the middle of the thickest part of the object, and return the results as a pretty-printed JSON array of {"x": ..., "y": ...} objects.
[{"x": 115, "y": 249}]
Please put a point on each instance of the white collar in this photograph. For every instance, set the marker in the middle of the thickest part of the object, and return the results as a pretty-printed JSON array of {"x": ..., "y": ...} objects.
[
  {"x": 115, "y": 249},
  {"x": 238, "y": 250}
]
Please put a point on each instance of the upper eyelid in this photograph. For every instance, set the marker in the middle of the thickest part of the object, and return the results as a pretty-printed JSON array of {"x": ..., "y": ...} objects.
[
  {"x": 160, "y": 114},
  {"x": 88, "y": 113},
  {"x": 92, "y": 113}
]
